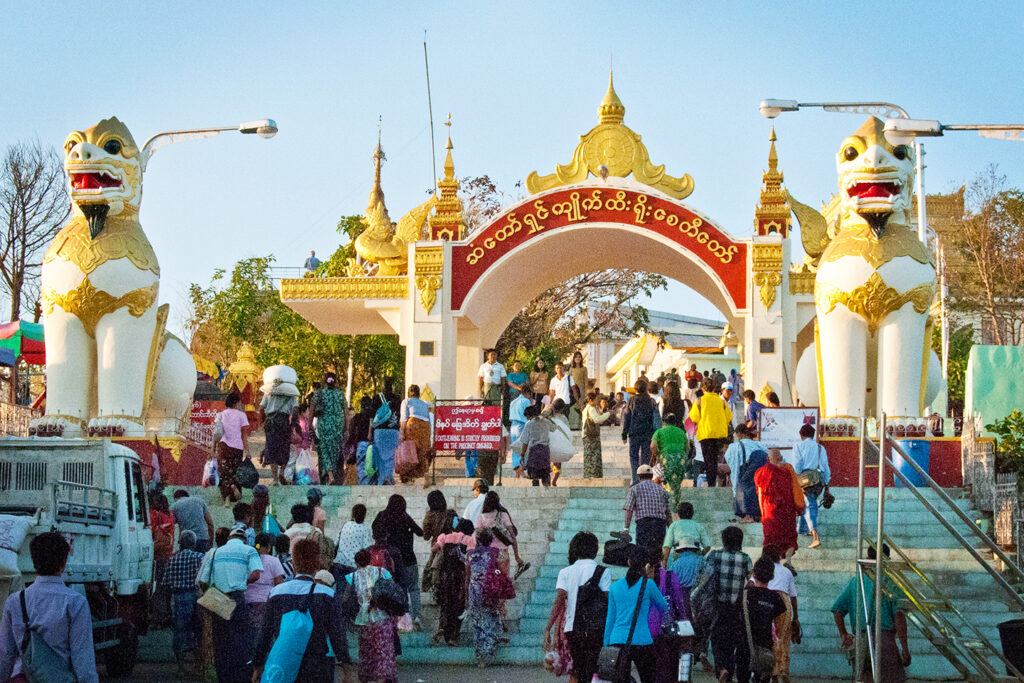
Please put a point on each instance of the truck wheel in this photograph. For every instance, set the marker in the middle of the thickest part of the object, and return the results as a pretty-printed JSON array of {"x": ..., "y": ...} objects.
[{"x": 120, "y": 659}]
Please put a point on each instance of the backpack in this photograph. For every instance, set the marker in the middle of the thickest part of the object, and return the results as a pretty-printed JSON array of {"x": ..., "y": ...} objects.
[
  {"x": 39, "y": 662},
  {"x": 380, "y": 557},
  {"x": 591, "y": 608}
]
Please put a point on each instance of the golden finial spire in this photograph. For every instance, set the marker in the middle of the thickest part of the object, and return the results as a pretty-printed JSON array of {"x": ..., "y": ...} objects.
[
  {"x": 446, "y": 223},
  {"x": 772, "y": 212},
  {"x": 611, "y": 109}
]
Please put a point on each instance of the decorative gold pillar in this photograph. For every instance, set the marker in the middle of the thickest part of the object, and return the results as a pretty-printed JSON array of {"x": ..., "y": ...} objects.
[
  {"x": 429, "y": 264},
  {"x": 767, "y": 271}
]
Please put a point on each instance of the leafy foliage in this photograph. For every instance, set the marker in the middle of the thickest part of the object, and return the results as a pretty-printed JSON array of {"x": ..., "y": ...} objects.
[
  {"x": 578, "y": 310},
  {"x": 960, "y": 342},
  {"x": 349, "y": 228},
  {"x": 244, "y": 306},
  {"x": 1009, "y": 433},
  {"x": 990, "y": 239}
]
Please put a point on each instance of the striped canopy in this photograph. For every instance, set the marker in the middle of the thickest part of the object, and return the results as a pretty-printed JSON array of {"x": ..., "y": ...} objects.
[{"x": 25, "y": 340}]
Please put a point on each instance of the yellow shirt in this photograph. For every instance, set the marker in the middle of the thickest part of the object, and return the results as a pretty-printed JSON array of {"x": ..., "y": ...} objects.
[{"x": 712, "y": 416}]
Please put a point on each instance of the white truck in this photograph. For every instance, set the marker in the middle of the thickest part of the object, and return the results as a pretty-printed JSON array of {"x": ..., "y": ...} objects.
[{"x": 93, "y": 492}]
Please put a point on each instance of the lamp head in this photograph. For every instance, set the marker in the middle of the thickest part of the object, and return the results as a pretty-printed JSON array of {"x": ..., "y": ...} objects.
[
  {"x": 771, "y": 108},
  {"x": 265, "y": 128},
  {"x": 904, "y": 131}
]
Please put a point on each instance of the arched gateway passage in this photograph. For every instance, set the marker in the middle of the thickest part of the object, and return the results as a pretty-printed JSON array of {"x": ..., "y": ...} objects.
[{"x": 551, "y": 237}]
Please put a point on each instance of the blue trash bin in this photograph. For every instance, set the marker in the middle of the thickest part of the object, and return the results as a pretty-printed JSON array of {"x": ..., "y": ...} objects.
[{"x": 917, "y": 450}]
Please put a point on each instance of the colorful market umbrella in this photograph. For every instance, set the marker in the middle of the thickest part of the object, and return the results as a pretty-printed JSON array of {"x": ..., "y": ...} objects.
[{"x": 25, "y": 339}]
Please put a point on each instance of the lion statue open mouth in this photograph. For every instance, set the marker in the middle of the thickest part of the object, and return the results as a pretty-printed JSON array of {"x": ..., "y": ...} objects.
[
  {"x": 874, "y": 176},
  {"x": 112, "y": 370}
]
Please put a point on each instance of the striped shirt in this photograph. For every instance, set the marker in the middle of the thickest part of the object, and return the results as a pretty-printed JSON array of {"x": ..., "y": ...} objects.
[{"x": 228, "y": 567}]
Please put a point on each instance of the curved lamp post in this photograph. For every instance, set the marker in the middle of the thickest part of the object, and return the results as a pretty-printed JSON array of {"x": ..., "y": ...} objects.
[{"x": 265, "y": 128}]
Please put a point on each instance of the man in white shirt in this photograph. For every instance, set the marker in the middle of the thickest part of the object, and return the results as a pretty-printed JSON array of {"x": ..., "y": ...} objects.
[
  {"x": 492, "y": 378},
  {"x": 811, "y": 455},
  {"x": 585, "y": 649},
  {"x": 560, "y": 386},
  {"x": 472, "y": 511}
]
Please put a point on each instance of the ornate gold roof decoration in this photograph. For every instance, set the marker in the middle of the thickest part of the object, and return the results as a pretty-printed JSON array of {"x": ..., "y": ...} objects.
[
  {"x": 616, "y": 147},
  {"x": 446, "y": 223},
  {"x": 321, "y": 288},
  {"x": 772, "y": 212},
  {"x": 244, "y": 371},
  {"x": 383, "y": 245},
  {"x": 767, "y": 269}
]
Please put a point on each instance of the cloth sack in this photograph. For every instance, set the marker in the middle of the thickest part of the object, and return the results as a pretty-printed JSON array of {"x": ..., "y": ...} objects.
[
  {"x": 285, "y": 657},
  {"x": 406, "y": 459},
  {"x": 13, "y": 530},
  {"x": 613, "y": 661},
  {"x": 246, "y": 475},
  {"x": 39, "y": 662},
  {"x": 560, "y": 443},
  {"x": 211, "y": 473}
]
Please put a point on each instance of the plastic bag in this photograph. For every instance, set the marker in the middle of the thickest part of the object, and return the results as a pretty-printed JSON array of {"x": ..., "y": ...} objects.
[
  {"x": 211, "y": 473},
  {"x": 405, "y": 623},
  {"x": 305, "y": 469},
  {"x": 289, "y": 469},
  {"x": 560, "y": 443}
]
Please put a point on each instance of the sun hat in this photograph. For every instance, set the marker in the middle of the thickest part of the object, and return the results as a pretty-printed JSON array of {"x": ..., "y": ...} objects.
[{"x": 645, "y": 469}]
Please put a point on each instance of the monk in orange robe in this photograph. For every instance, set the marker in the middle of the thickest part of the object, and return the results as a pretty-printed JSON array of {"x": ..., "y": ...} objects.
[{"x": 782, "y": 502}]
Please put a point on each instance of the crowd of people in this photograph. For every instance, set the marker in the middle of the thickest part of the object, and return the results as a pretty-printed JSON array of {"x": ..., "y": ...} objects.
[{"x": 367, "y": 581}]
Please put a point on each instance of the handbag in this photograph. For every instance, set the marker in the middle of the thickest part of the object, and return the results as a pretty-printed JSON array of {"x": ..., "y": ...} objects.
[
  {"x": 762, "y": 659},
  {"x": 808, "y": 478},
  {"x": 668, "y": 617},
  {"x": 383, "y": 414},
  {"x": 246, "y": 475},
  {"x": 349, "y": 602},
  {"x": 613, "y": 661},
  {"x": 591, "y": 429},
  {"x": 285, "y": 657},
  {"x": 827, "y": 500},
  {"x": 215, "y": 600},
  {"x": 39, "y": 662},
  {"x": 387, "y": 595}
]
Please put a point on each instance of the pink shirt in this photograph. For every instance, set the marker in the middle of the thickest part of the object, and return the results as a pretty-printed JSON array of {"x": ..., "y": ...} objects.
[
  {"x": 487, "y": 519},
  {"x": 233, "y": 421},
  {"x": 456, "y": 537},
  {"x": 259, "y": 591}
]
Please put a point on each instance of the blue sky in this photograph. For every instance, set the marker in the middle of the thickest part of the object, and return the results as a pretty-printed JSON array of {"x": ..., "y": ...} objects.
[{"x": 522, "y": 81}]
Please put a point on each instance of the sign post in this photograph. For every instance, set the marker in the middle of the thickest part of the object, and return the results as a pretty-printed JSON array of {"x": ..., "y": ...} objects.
[{"x": 467, "y": 425}]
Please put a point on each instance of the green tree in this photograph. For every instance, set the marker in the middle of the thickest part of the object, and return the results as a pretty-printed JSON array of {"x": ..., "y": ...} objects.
[
  {"x": 244, "y": 306},
  {"x": 1009, "y": 433},
  {"x": 960, "y": 342},
  {"x": 989, "y": 240},
  {"x": 579, "y": 310},
  {"x": 349, "y": 228}
]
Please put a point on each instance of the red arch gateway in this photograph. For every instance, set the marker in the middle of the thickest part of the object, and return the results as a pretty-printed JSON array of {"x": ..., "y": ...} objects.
[{"x": 571, "y": 206}]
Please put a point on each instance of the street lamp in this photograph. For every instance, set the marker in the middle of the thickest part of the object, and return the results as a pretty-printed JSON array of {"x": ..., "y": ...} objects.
[
  {"x": 265, "y": 128},
  {"x": 771, "y": 108},
  {"x": 904, "y": 131}
]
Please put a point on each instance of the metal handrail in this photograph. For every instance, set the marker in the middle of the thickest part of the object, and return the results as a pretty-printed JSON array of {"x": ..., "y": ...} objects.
[{"x": 989, "y": 543}]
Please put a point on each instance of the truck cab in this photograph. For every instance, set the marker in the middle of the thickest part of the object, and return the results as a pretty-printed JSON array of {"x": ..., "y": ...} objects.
[{"x": 91, "y": 491}]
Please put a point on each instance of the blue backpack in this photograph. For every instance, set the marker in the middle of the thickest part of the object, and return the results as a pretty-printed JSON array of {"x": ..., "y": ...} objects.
[{"x": 285, "y": 658}]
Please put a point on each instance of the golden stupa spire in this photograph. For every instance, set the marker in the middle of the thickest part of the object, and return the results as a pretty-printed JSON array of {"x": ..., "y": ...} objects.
[
  {"x": 773, "y": 212},
  {"x": 446, "y": 222},
  {"x": 611, "y": 109},
  {"x": 611, "y": 149},
  {"x": 374, "y": 244}
]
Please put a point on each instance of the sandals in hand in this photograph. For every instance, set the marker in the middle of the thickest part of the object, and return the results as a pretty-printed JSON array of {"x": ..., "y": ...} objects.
[{"x": 520, "y": 570}]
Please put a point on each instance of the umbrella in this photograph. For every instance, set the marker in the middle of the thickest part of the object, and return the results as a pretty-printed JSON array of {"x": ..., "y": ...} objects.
[{"x": 24, "y": 339}]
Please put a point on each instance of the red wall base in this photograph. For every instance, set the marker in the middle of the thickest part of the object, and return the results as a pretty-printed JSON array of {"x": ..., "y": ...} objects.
[
  {"x": 188, "y": 471},
  {"x": 944, "y": 462}
]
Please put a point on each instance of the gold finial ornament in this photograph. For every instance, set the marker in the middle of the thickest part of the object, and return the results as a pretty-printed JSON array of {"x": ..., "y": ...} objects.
[
  {"x": 446, "y": 223},
  {"x": 772, "y": 212},
  {"x": 383, "y": 242},
  {"x": 615, "y": 146}
]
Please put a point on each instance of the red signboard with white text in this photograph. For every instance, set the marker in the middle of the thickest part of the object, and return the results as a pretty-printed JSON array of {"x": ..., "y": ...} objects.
[
  {"x": 540, "y": 214},
  {"x": 467, "y": 427}
]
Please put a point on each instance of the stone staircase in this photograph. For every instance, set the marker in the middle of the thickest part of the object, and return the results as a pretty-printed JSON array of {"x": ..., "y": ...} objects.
[{"x": 548, "y": 518}]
